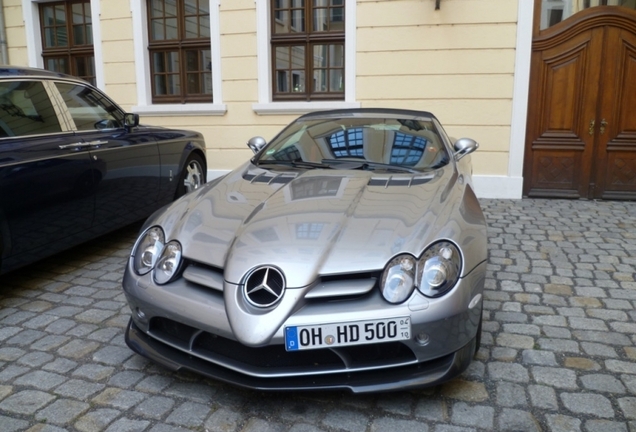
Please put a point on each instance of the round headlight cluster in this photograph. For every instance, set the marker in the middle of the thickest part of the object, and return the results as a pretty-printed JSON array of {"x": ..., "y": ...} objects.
[
  {"x": 398, "y": 279},
  {"x": 152, "y": 253},
  {"x": 434, "y": 274},
  {"x": 439, "y": 269}
]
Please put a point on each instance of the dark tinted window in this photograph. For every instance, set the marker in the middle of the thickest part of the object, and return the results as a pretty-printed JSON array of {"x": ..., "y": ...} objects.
[
  {"x": 90, "y": 109},
  {"x": 25, "y": 109}
]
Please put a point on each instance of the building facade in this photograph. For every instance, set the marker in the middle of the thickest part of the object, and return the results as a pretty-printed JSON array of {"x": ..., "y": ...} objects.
[{"x": 234, "y": 69}]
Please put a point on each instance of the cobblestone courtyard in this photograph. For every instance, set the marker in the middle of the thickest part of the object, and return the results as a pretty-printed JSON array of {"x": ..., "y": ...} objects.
[{"x": 558, "y": 349}]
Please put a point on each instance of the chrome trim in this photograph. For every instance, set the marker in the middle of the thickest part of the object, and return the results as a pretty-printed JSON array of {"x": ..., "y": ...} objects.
[
  {"x": 341, "y": 288},
  {"x": 75, "y": 145},
  {"x": 203, "y": 276},
  {"x": 29, "y": 161}
]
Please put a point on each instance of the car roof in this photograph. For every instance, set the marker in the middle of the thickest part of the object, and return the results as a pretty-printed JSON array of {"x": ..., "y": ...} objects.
[
  {"x": 20, "y": 71},
  {"x": 371, "y": 112}
]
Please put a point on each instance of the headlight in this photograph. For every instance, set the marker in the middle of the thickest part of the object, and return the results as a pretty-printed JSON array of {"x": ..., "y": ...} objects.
[
  {"x": 148, "y": 250},
  {"x": 398, "y": 279},
  {"x": 439, "y": 269},
  {"x": 168, "y": 264}
]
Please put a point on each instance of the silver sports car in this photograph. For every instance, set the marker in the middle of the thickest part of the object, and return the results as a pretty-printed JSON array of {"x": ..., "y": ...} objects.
[{"x": 348, "y": 253}]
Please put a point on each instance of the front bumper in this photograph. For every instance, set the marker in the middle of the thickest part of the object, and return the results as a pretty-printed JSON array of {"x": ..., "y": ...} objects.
[
  {"x": 400, "y": 378},
  {"x": 185, "y": 326}
]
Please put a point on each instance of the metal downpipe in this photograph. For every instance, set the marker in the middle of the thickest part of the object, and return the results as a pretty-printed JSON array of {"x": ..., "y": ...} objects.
[{"x": 4, "y": 55}]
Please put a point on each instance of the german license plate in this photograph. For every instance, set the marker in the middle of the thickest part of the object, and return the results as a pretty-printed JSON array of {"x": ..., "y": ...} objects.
[{"x": 348, "y": 333}]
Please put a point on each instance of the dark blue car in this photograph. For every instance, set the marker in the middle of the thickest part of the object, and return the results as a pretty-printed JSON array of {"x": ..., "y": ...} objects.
[{"x": 74, "y": 165}]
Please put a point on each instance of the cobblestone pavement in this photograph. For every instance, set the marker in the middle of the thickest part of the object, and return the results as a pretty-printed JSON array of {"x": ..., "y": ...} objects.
[{"x": 558, "y": 350}]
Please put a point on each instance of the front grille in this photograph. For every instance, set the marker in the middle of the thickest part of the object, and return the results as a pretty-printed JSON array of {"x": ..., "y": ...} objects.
[{"x": 274, "y": 359}]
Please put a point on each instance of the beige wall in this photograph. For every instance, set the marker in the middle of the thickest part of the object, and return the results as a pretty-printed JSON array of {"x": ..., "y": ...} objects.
[{"x": 457, "y": 62}]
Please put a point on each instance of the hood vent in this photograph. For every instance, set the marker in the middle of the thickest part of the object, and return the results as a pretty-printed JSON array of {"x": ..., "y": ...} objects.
[
  {"x": 400, "y": 181},
  {"x": 268, "y": 177}
]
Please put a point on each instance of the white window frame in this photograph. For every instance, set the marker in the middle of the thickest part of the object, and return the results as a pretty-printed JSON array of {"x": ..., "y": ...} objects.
[
  {"x": 31, "y": 15},
  {"x": 265, "y": 103},
  {"x": 142, "y": 68}
]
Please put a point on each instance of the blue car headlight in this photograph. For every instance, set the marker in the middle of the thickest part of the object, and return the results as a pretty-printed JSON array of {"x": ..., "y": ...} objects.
[
  {"x": 439, "y": 269},
  {"x": 147, "y": 250}
]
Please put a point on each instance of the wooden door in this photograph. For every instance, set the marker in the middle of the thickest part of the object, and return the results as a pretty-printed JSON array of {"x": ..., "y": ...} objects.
[
  {"x": 581, "y": 135},
  {"x": 615, "y": 170}
]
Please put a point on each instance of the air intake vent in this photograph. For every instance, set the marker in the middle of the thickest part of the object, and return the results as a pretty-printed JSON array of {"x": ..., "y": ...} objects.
[{"x": 400, "y": 181}]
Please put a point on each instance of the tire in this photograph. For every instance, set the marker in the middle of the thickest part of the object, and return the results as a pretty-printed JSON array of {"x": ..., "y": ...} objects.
[{"x": 192, "y": 177}]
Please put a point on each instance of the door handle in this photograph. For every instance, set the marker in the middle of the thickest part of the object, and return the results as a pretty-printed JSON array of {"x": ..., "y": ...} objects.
[
  {"x": 603, "y": 125},
  {"x": 74, "y": 145},
  {"x": 591, "y": 128}
]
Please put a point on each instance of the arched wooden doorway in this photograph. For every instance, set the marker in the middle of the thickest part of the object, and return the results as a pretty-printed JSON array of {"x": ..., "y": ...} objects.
[{"x": 581, "y": 132}]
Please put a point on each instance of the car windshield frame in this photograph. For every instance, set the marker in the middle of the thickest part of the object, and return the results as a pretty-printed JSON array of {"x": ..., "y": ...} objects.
[{"x": 367, "y": 142}]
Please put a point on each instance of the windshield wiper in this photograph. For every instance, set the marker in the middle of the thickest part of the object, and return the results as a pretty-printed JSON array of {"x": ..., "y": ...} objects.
[
  {"x": 366, "y": 165},
  {"x": 299, "y": 163}
]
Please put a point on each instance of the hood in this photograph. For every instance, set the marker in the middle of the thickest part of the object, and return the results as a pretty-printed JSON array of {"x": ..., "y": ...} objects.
[{"x": 312, "y": 223}]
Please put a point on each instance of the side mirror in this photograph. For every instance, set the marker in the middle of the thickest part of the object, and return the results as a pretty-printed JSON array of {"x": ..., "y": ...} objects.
[
  {"x": 256, "y": 144},
  {"x": 464, "y": 146},
  {"x": 131, "y": 120}
]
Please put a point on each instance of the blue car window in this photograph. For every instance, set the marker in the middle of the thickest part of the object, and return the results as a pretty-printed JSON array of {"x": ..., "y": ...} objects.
[
  {"x": 90, "y": 109},
  {"x": 25, "y": 109}
]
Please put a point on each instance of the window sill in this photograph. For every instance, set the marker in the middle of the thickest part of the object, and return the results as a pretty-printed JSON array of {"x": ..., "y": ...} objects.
[
  {"x": 181, "y": 109},
  {"x": 274, "y": 108}
]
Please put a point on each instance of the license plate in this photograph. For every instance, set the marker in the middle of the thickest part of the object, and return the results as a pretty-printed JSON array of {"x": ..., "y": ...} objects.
[{"x": 347, "y": 334}]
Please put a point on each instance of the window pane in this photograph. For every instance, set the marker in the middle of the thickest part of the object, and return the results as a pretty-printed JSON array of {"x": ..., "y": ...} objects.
[
  {"x": 47, "y": 16},
  {"x": 336, "y": 55},
  {"x": 194, "y": 85},
  {"x": 78, "y": 13},
  {"x": 160, "y": 85},
  {"x": 191, "y": 7},
  {"x": 89, "y": 34},
  {"x": 90, "y": 109},
  {"x": 158, "y": 60},
  {"x": 172, "y": 61},
  {"x": 282, "y": 81},
  {"x": 60, "y": 15},
  {"x": 171, "y": 7},
  {"x": 192, "y": 28},
  {"x": 85, "y": 66},
  {"x": 321, "y": 3},
  {"x": 192, "y": 61},
  {"x": 282, "y": 58},
  {"x": 320, "y": 80},
  {"x": 281, "y": 24},
  {"x": 156, "y": 8},
  {"x": 172, "y": 31},
  {"x": 298, "y": 81},
  {"x": 320, "y": 20},
  {"x": 49, "y": 37},
  {"x": 298, "y": 20},
  {"x": 26, "y": 109},
  {"x": 298, "y": 57},
  {"x": 59, "y": 64},
  {"x": 78, "y": 35},
  {"x": 336, "y": 81},
  {"x": 320, "y": 56},
  {"x": 173, "y": 86},
  {"x": 157, "y": 30},
  {"x": 298, "y": 3},
  {"x": 204, "y": 29}
]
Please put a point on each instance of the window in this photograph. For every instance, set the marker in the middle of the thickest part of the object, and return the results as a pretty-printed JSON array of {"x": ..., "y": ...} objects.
[
  {"x": 179, "y": 47},
  {"x": 308, "y": 50},
  {"x": 67, "y": 38},
  {"x": 90, "y": 109},
  {"x": 25, "y": 109}
]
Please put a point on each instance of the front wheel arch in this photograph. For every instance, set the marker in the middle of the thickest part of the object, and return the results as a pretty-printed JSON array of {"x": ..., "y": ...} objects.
[{"x": 193, "y": 174}]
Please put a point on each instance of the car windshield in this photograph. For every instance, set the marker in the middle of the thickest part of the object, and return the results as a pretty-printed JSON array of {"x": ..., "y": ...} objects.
[{"x": 390, "y": 144}]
